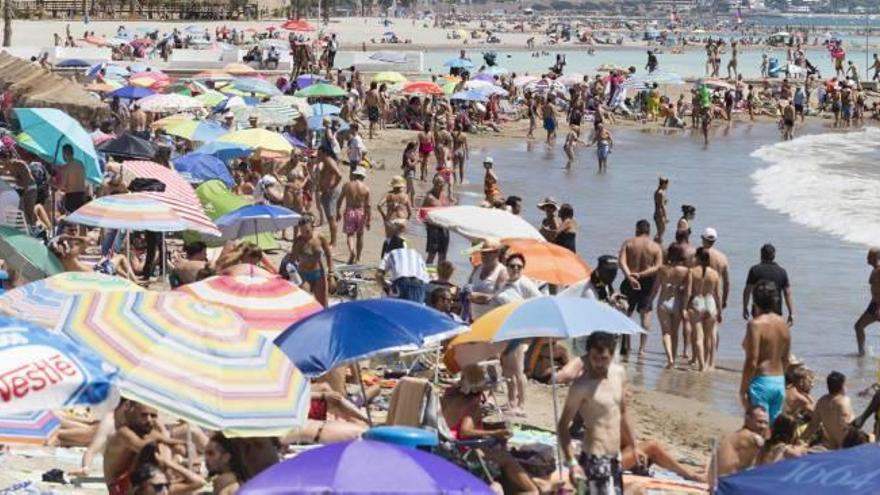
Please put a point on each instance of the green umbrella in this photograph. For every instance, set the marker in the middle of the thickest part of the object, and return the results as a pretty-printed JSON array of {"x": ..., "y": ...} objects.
[
  {"x": 321, "y": 90},
  {"x": 217, "y": 201},
  {"x": 27, "y": 254}
]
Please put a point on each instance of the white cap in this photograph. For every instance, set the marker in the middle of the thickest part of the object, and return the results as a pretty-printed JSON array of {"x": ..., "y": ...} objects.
[
  {"x": 488, "y": 159},
  {"x": 710, "y": 234}
]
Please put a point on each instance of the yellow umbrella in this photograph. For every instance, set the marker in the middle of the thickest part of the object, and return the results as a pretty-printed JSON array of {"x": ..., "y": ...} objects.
[
  {"x": 258, "y": 139},
  {"x": 211, "y": 98},
  {"x": 171, "y": 120},
  {"x": 389, "y": 77}
]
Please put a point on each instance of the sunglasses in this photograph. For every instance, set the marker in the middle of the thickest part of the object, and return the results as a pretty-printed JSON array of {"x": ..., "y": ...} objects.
[{"x": 161, "y": 487}]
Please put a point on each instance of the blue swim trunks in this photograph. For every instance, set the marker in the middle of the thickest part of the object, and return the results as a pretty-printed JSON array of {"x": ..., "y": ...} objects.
[
  {"x": 549, "y": 124},
  {"x": 603, "y": 150},
  {"x": 769, "y": 393}
]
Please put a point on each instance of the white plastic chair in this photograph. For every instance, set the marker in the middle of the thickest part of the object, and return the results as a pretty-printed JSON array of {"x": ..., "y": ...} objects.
[{"x": 13, "y": 217}]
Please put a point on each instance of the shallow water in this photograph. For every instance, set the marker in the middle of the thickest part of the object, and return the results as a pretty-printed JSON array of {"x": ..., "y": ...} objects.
[{"x": 729, "y": 183}]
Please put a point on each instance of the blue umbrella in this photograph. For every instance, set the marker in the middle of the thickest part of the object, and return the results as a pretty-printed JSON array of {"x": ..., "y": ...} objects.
[
  {"x": 355, "y": 330},
  {"x": 131, "y": 92},
  {"x": 316, "y": 122},
  {"x": 225, "y": 151},
  {"x": 307, "y": 80},
  {"x": 294, "y": 141},
  {"x": 470, "y": 95},
  {"x": 325, "y": 109},
  {"x": 113, "y": 71},
  {"x": 50, "y": 129},
  {"x": 850, "y": 471},
  {"x": 459, "y": 63},
  {"x": 252, "y": 85},
  {"x": 255, "y": 219},
  {"x": 199, "y": 167},
  {"x": 72, "y": 62},
  {"x": 69, "y": 373}
]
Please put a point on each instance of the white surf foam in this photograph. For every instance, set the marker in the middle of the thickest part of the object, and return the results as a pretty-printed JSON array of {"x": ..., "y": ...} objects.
[{"x": 829, "y": 182}]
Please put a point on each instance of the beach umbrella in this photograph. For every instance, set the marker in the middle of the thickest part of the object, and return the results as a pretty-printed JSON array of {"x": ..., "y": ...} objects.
[
  {"x": 325, "y": 109},
  {"x": 195, "y": 361},
  {"x": 110, "y": 70},
  {"x": 137, "y": 68},
  {"x": 485, "y": 87},
  {"x": 211, "y": 98},
  {"x": 29, "y": 428},
  {"x": 230, "y": 102},
  {"x": 127, "y": 145},
  {"x": 365, "y": 467},
  {"x": 476, "y": 223},
  {"x": 449, "y": 88},
  {"x": 305, "y": 80},
  {"x": 170, "y": 103},
  {"x": 72, "y": 62},
  {"x": 179, "y": 195},
  {"x": 297, "y": 25},
  {"x": 131, "y": 92},
  {"x": 199, "y": 167},
  {"x": 423, "y": 87},
  {"x": 469, "y": 96},
  {"x": 196, "y": 130},
  {"x": 49, "y": 129},
  {"x": 269, "y": 113},
  {"x": 41, "y": 301},
  {"x": 255, "y": 219},
  {"x": 544, "y": 86},
  {"x": 459, "y": 63},
  {"x": 250, "y": 86},
  {"x": 218, "y": 200},
  {"x": 521, "y": 81},
  {"x": 237, "y": 69},
  {"x": 104, "y": 87},
  {"x": 27, "y": 254},
  {"x": 48, "y": 371},
  {"x": 134, "y": 211},
  {"x": 355, "y": 330},
  {"x": 321, "y": 90},
  {"x": 497, "y": 71},
  {"x": 148, "y": 79},
  {"x": 549, "y": 262},
  {"x": 298, "y": 103},
  {"x": 482, "y": 76},
  {"x": 851, "y": 471},
  {"x": 389, "y": 77},
  {"x": 225, "y": 151},
  {"x": 171, "y": 120},
  {"x": 213, "y": 75},
  {"x": 316, "y": 122},
  {"x": 268, "y": 305},
  {"x": 258, "y": 140}
]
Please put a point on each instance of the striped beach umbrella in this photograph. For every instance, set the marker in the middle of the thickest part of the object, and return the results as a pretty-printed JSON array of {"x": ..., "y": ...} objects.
[
  {"x": 268, "y": 305},
  {"x": 31, "y": 428},
  {"x": 195, "y": 361},
  {"x": 134, "y": 211},
  {"x": 41, "y": 301},
  {"x": 170, "y": 103}
]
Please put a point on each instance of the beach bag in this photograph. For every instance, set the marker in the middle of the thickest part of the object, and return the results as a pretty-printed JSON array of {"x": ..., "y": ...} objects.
[{"x": 141, "y": 184}]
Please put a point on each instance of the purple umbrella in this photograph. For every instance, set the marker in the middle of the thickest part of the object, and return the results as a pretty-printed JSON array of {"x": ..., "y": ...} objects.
[
  {"x": 482, "y": 76},
  {"x": 363, "y": 466},
  {"x": 307, "y": 80}
]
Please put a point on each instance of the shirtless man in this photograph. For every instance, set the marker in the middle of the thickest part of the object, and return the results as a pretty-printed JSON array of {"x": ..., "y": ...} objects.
[
  {"x": 138, "y": 124},
  {"x": 187, "y": 271},
  {"x": 833, "y": 413},
  {"x": 660, "y": 201},
  {"x": 788, "y": 118},
  {"x": 731, "y": 66},
  {"x": 872, "y": 313},
  {"x": 767, "y": 346},
  {"x": 598, "y": 396},
  {"x": 548, "y": 113},
  {"x": 122, "y": 449},
  {"x": 395, "y": 204},
  {"x": 72, "y": 180},
  {"x": 718, "y": 261},
  {"x": 739, "y": 450},
  {"x": 329, "y": 178},
  {"x": 356, "y": 196},
  {"x": 373, "y": 103},
  {"x": 640, "y": 258},
  {"x": 437, "y": 244},
  {"x": 307, "y": 253}
]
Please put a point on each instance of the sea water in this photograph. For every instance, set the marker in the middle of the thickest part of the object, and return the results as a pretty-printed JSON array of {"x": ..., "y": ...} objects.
[{"x": 815, "y": 198}]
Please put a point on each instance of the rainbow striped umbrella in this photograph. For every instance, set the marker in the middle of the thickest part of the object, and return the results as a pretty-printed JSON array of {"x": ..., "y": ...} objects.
[
  {"x": 41, "y": 301},
  {"x": 192, "y": 360},
  {"x": 268, "y": 305},
  {"x": 135, "y": 211},
  {"x": 32, "y": 428}
]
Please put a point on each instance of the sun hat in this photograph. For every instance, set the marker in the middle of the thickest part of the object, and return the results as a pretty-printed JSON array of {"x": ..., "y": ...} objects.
[
  {"x": 398, "y": 181},
  {"x": 548, "y": 201}
]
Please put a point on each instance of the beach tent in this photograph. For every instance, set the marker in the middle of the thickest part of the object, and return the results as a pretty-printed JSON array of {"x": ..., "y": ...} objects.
[{"x": 218, "y": 200}]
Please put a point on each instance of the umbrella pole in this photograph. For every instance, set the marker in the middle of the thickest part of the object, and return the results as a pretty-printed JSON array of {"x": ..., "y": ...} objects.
[
  {"x": 256, "y": 235},
  {"x": 558, "y": 450},
  {"x": 163, "y": 256},
  {"x": 360, "y": 380}
]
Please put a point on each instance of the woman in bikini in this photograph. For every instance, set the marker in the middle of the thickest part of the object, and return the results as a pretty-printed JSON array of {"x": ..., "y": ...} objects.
[
  {"x": 703, "y": 294},
  {"x": 460, "y": 152},
  {"x": 426, "y": 148},
  {"x": 306, "y": 255},
  {"x": 688, "y": 213},
  {"x": 671, "y": 283}
]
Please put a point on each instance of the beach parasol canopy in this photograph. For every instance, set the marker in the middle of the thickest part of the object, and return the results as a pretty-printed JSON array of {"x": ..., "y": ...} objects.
[
  {"x": 268, "y": 305},
  {"x": 131, "y": 92},
  {"x": 196, "y": 130},
  {"x": 30, "y": 428},
  {"x": 269, "y": 113},
  {"x": 258, "y": 140},
  {"x": 355, "y": 330},
  {"x": 48, "y": 371},
  {"x": 135, "y": 211},
  {"x": 459, "y": 63},
  {"x": 298, "y": 103},
  {"x": 325, "y": 109},
  {"x": 365, "y": 467},
  {"x": 321, "y": 90},
  {"x": 256, "y": 219},
  {"x": 192, "y": 360},
  {"x": 196, "y": 168},
  {"x": 41, "y": 301},
  {"x": 50, "y": 129},
  {"x": 218, "y": 200},
  {"x": 297, "y": 25},
  {"x": 389, "y": 77},
  {"x": 549, "y": 262},
  {"x": 316, "y": 122},
  {"x": 469, "y": 96},
  {"x": 225, "y": 151},
  {"x": 237, "y": 69},
  {"x": 27, "y": 254},
  {"x": 423, "y": 88},
  {"x": 127, "y": 145},
  {"x": 476, "y": 223},
  {"x": 305, "y": 80},
  {"x": 170, "y": 103},
  {"x": 250, "y": 86}
]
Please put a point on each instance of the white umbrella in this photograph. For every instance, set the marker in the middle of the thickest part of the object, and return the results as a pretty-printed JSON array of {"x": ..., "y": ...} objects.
[
  {"x": 170, "y": 103},
  {"x": 476, "y": 223}
]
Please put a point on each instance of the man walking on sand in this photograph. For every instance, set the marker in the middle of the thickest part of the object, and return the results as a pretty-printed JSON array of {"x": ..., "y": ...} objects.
[
  {"x": 328, "y": 190},
  {"x": 872, "y": 312},
  {"x": 640, "y": 258},
  {"x": 598, "y": 396},
  {"x": 767, "y": 345},
  {"x": 356, "y": 196}
]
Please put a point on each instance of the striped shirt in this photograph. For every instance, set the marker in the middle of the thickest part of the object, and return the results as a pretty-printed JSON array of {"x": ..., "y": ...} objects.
[{"x": 404, "y": 262}]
